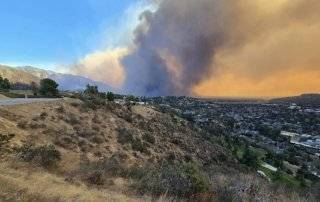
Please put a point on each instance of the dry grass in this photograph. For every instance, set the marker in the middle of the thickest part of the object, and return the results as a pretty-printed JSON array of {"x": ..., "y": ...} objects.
[
  {"x": 42, "y": 186},
  {"x": 3, "y": 97}
]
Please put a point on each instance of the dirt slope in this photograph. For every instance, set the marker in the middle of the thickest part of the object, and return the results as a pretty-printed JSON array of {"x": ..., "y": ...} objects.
[
  {"x": 85, "y": 136},
  {"x": 3, "y": 97}
]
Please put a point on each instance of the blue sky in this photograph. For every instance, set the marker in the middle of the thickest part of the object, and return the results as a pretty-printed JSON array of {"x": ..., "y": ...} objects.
[{"x": 52, "y": 32}]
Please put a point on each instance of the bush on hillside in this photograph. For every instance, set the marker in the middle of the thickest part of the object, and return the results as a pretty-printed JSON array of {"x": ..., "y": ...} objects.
[
  {"x": 125, "y": 137},
  {"x": 250, "y": 159},
  {"x": 92, "y": 98},
  {"x": 72, "y": 119},
  {"x": 177, "y": 180},
  {"x": 22, "y": 124},
  {"x": 96, "y": 178},
  {"x": 43, "y": 115},
  {"x": 47, "y": 155},
  {"x": 4, "y": 139},
  {"x": 132, "y": 98},
  {"x": 110, "y": 96},
  {"x": 149, "y": 138},
  {"x": 61, "y": 109}
]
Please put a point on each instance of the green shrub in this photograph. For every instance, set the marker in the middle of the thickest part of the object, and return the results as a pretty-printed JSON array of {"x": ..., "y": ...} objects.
[
  {"x": 92, "y": 98},
  {"x": 96, "y": 178},
  {"x": 138, "y": 145},
  {"x": 4, "y": 139},
  {"x": 47, "y": 156},
  {"x": 22, "y": 124},
  {"x": 36, "y": 125},
  {"x": 75, "y": 104},
  {"x": 250, "y": 158},
  {"x": 94, "y": 103},
  {"x": 132, "y": 98},
  {"x": 177, "y": 180},
  {"x": 135, "y": 172},
  {"x": 124, "y": 136},
  {"x": 115, "y": 165},
  {"x": 44, "y": 115},
  {"x": 61, "y": 109},
  {"x": 98, "y": 139},
  {"x": 149, "y": 138},
  {"x": 72, "y": 119},
  {"x": 110, "y": 96}
]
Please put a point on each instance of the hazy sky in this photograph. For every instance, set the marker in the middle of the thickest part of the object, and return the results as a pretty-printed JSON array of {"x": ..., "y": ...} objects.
[{"x": 197, "y": 47}]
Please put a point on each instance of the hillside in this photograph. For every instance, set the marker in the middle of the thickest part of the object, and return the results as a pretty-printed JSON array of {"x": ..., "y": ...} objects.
[
  {"x": 304, "y": 100},
  {"x": 116, "y": 153},
  {"x": 70, "y": 82},
  {"x": 16, "y": 75}
]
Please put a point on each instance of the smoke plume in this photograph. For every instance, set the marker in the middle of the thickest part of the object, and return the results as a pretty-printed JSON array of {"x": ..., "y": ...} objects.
[
  {"x": 104, "y": 66},
  {"x": 187, "y": 44},
  {"x": 188, "y": 33},
  {"x": 224, "y": 48}
]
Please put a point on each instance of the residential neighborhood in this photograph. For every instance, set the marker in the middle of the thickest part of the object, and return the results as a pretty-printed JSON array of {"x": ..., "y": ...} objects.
[{"x": 288, "y": 130}]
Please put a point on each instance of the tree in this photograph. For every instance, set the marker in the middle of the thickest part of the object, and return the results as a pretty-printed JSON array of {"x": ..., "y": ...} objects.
[
  {"x": 93, "y": 98},
  {"x": 132, "y": 98},
  {"x": 270, "y": 132},
  {"x": 48, "y": 87},
  {"x": 34, "y": 88},
  {"x": 250, "y": 159},
  {"x": 110, "y": 96},
  {"x": 91, "y": 90},
  {"x": 4, "y": 84}
]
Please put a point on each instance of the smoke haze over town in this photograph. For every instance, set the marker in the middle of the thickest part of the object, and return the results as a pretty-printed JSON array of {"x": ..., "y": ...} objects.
[{"x": 201, "y": 48}]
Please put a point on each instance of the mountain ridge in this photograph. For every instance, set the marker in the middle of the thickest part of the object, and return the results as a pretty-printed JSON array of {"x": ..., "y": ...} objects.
[
  {"x": 309, "y": 99},
  {"x": 28, "y": 74}
]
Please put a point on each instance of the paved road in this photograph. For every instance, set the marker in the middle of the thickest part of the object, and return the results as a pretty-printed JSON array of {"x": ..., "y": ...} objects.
[{"x": 19, "y": 101}]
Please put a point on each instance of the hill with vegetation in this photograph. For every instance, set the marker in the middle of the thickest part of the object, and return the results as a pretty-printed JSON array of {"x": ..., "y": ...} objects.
[
  {"x": 304, "y": 99},
  {"x": 87, "y": 149},
  {"x": 67, "y": 82},
  {"x": 16, "y": 75}
]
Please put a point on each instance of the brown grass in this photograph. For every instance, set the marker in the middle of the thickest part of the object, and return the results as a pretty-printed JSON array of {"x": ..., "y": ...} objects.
[{"x": 42, "y": 186}]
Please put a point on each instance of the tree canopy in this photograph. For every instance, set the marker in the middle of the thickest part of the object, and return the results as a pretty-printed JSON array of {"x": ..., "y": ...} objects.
[
  {"x": 4, "y": 84},
  {"x": 48, "y": 87},
  {"x": 110, "y": 96}
]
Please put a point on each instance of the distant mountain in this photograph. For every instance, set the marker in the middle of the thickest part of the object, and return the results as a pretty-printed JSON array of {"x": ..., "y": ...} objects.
[
  {"x": 27, "y": 74},
  {"x": 73, "y": 82},
  {"x": 17, "y": 76},
  {"x": 304, "y": 100}
]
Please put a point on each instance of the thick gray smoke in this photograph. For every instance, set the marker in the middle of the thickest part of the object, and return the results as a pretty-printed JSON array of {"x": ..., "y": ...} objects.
[
  {"x": 217, "y": 47},
  {"x": 188, "y": 31}
]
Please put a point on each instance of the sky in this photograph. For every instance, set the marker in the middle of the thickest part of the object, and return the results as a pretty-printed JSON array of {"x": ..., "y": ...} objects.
[
  {"x": 243, "y": 48},
  {"x": 49, "y": 33}
]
